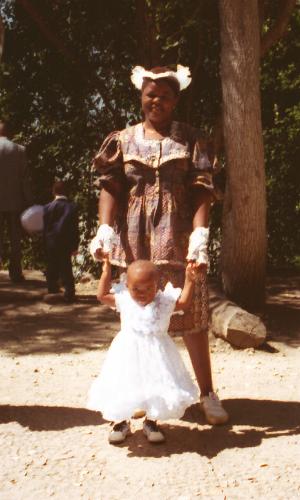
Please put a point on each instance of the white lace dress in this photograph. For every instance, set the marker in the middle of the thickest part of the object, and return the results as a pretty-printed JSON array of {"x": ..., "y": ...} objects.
[{"x": 143, "y": 368}]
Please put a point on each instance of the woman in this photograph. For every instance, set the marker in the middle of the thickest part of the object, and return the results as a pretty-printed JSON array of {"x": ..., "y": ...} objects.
[{"x": 156, "y": 192}]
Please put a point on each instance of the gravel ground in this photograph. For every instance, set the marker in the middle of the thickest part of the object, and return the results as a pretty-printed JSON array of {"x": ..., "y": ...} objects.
[{"x": 52, "y": 447}]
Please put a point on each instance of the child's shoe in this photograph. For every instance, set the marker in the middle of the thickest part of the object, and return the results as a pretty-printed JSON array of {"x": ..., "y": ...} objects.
[
  {"x": 119, "y": 432},
  {"x": 152, "y": 431},
  {"x": 213, "y": 409}
]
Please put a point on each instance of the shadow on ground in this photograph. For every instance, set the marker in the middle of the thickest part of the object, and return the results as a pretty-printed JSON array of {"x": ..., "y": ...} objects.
[
  {"x": 28, "y": 325},
  {"x": 282, "y": 310},
  {"x": 49, "y": 418},
  {"x": 251, "y": 422}
]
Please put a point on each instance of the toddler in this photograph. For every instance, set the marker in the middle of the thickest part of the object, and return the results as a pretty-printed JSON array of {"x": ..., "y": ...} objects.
[{"x": 143, "y": 368}]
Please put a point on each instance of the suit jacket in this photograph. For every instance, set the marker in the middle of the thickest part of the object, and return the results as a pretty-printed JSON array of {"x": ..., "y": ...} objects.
[
  {"x": 15, "y": 189},
  {"x": 61, "y": 226}
]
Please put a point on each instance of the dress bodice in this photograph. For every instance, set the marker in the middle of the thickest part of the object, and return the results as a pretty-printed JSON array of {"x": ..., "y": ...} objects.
[{"x": 152, "y": 319}]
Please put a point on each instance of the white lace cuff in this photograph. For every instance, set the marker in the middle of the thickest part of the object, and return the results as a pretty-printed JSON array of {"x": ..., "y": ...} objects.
[
  {"x": 198, "y": 243},
  {"x": 105, "y": 240}
]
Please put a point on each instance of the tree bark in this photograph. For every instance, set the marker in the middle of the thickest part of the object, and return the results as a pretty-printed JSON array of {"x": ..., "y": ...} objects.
[{"x": 243, "y": 253}]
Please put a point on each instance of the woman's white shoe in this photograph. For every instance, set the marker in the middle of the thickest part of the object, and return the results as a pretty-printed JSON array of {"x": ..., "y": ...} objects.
[{"x": 213, "y": 409}]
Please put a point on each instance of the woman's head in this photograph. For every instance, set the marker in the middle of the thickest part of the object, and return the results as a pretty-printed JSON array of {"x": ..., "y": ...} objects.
[
  {"x": 142, "y": 278},
  {"x": 160, "y": 88}
]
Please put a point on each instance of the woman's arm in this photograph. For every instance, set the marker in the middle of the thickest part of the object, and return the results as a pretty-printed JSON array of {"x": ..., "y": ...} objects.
[
  {"x": 185, "y": 299},
  {"x": 107, "y": 207},
  {"x": 198, "y": 242},
  {"x": 104, "y": 285},
  {"x": 202, "y": 200}
]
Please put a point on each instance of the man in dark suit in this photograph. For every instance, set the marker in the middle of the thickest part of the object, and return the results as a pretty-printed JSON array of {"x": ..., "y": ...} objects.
[
  {"x": 15, "y": 196},
  {"x": 61, "y": 239}
]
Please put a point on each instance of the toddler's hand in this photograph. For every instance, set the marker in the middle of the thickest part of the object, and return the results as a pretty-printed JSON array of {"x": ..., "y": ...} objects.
[{"x": 191, "y": 270}]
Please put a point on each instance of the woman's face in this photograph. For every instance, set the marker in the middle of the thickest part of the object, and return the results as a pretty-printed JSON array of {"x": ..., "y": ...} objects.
[{"x": 158, "y": 102}]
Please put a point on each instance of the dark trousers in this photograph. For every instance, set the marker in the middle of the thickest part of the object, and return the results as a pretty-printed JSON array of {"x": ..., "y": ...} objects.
[
  {"x": 12, "y": 221},
  {"x": 59, "y": 268}
]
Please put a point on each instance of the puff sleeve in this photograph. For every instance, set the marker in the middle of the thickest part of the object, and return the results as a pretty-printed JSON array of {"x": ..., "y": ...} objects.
[
  {"x": 120, "y": 292},
  {"x": 170, "y": 296},
  {"x": 108, "y": 164},
  {"x": 201, "y": 170}
]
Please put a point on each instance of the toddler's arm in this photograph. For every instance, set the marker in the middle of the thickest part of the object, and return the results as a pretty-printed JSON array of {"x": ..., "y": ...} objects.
[
  {"x": 185, "y": 299},
  {"x": 104, "y": 285}
]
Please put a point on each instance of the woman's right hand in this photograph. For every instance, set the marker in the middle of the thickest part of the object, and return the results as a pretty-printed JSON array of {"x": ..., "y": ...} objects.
[{"x": 103, "y": 242}]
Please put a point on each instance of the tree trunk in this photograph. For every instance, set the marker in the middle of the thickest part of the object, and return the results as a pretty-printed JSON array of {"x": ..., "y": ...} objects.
[
  {"x": 148, "y": 47},
  {"x": 243, "y": 251}
]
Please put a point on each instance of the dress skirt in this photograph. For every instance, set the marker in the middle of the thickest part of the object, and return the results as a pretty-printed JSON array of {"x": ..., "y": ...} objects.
[{"x": 144, "y": 372}]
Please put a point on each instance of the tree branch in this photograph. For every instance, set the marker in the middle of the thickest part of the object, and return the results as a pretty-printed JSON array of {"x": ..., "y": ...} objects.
[
  {"x": 149, "y": 50},
  {"x": 68, "y": 55},
  {"x": 198, "y": 64},
  {"x": 1, "y": 38},
  {"x": 140, "y": 28},
  {"x": 279, "y": 28}
]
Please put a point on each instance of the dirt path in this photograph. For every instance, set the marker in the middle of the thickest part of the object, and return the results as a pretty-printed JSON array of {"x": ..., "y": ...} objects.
[{"x": 52, "y": 447}]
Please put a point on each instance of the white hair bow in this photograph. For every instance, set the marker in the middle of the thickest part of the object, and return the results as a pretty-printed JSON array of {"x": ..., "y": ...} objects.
[{"x": 182, "y": 75}]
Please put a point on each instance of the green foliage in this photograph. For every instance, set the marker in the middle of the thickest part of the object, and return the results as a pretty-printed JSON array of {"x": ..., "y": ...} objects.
[
  {"x": 64, "y": 91},
  {"x": 281, "y": 122}
]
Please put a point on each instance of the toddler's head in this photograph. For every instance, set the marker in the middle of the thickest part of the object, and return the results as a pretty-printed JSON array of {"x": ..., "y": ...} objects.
[{"x": 142, "y": 277}]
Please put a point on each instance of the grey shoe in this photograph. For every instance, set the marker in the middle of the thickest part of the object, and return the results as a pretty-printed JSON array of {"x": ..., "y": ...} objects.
[
  {"x": 119, "y": 432},
  {"x": 152, "y": 431}
]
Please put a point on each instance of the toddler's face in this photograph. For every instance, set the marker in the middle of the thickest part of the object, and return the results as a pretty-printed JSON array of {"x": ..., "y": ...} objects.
[{"x": 142, "y": 288}]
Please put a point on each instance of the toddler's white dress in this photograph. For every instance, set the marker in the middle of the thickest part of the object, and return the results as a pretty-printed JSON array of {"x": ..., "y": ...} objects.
[{"x": 143, "y": 368}]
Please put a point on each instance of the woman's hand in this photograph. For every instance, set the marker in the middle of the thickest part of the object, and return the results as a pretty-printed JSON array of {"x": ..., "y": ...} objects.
[
  {"x": 198, "y": 242},
  {"x": 103, "y": 242}
]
